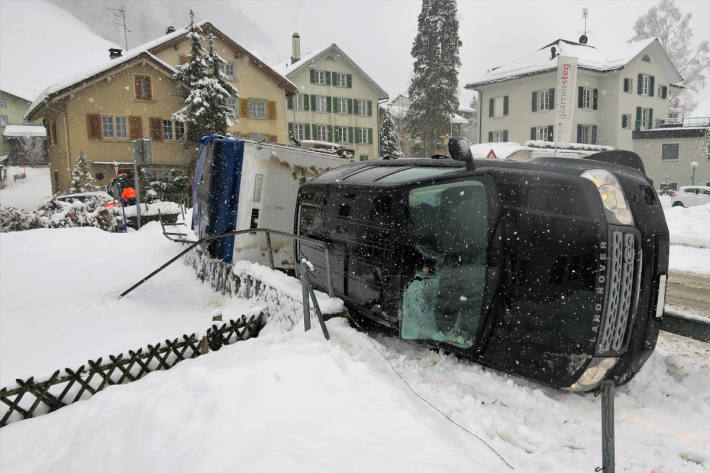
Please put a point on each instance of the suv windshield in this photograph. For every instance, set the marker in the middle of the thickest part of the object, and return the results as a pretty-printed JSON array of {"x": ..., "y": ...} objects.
[{"x": 446, "y": 259}]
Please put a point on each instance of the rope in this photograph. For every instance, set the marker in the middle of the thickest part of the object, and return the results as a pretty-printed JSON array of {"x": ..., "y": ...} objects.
[{"x": 426, "y": 401}]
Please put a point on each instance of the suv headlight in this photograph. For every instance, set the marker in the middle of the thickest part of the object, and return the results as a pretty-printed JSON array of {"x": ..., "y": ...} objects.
[{"x": 615, "y": 205}]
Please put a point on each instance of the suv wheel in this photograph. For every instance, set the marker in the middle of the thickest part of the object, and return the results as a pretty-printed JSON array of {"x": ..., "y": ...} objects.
[{"x": 678, "y": 203}]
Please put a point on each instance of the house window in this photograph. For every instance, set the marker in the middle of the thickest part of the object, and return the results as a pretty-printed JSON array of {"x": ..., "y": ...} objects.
[
  {"x": 321, "y": 132},
  {"x": 261, "y": 137},
  {"x": 363, "y": 157},
  {"x": 362, "y": 135},
  {"x": 543, "y": 133},
  {"x": 144, "y": 87},
  {"x": 232, "y": 103},
  {"x": 587, "y": 134},
  {"x": 587, "y": 98},
  {"x": 627, "y": 85},
  {"x": 173, "y": 130},
  {"x": 3, "y": 120},
  {"x": 663, "y": 92},
  {"x": 299, "y": 131},
  {"x": 646, "y": 58},
  {"x": 3, "y": 103},
  {"x": 498, "y": 136},
  {"x": 299, "y": 101},
  {"x": 669, "y": 151},
  {"x": 341, "y": 105},
  {"x": 545, "y": 99},
  {"x": 258, "y": 184},
  {"x": 626, "y": 121},
  {"x": 644, "y": 118},
  {"x": 257, "y": 108},
  {"x": 320, "y": 77},
  {"x": 341, "y": 80},
  {"x": 341, "y": 134},
  {"x": 114, "y": 127},
  {"x": 361, "y": 107},
  {"x": 643, "y": 84},
  {"x": 321, "y": 103},
  {"x": 498, "y": 106},
  {"x": 228, "y": 69}
]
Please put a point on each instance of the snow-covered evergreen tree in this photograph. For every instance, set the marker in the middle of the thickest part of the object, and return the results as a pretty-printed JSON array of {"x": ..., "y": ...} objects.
[
  {"x": 389, "y": 137},
  {"x": 672, "y": 28},
  {"x": 81, "y": 178},
  {"x": 206, "y": 109},
  {"x": 434, "y": 86}
]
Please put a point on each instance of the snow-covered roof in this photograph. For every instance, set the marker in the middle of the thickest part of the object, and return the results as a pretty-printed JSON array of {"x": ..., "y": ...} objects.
[
  {"x": 400, "y": 111},
  {"x": 80, "y": 79},
  {"x": 288, "y": 69},
  {"x": 588, "y": 57},
  {"x": 501, "y": 150},
  {"x": 41, "y": 43},
  {"x": 25, "y": 130}
]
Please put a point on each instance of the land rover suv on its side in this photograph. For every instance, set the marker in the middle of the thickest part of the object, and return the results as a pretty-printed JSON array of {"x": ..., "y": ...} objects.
[{"x": 553, "y": 269}]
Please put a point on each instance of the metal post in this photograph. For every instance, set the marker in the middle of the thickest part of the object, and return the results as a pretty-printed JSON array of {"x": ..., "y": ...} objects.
[
  {"x": 306, "y": 304},
  {"x": 271, "y": 251},
  {"x": 608, "y": 461},
  {"x": 138, "y": 155},
  {"x": 329, "y": 278},
  {"x": 321, "y": 320}
]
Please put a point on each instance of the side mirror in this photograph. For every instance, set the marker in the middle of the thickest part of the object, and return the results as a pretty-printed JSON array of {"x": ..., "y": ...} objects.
[{"x": 460, "y": 150}]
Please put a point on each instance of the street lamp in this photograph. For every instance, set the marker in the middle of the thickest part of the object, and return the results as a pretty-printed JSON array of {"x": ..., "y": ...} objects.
[{"x": 693, "y": 165}]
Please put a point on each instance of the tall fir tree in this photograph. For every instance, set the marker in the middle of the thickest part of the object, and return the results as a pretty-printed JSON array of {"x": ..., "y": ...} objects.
[
  {"x": 672, "y": 28},
  {"x": 434, "y": 86},
  {"x": 389, "y": 137},
  {"x": 206, "y": 109},
  {"x": 81, "y": 178}
]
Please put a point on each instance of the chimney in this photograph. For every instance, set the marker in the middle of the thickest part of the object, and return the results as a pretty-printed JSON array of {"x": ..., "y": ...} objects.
[
  {"x": 113, "y": 53},
  {"x": 171, "y": 29},
  {"x": 295, "y": 48}
]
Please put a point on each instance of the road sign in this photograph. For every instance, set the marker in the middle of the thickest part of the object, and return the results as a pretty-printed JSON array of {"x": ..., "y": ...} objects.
[
  {"x": 491, "y": 155},
  {"x": 143, "y": 151}
]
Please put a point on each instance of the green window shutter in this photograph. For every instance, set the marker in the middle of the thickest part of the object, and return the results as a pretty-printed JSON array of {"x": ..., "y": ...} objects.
[
  {"x": 491, "y": 105},
  {"x": 308, "y": 131},
  {"x": 289, "y": 101},
  {"x": 505, "y": 105},
  {"x": 627, "y": 85},
  {"x": 313, "y": 76},
  {"x": 490, "y": 136},
  {"x": 579, "y": 133},
  {"x": 336, "y": 106},
  {"x": 328, "y": 104},
  {"x": 369, "y": 108},
  {"x": 306, "y": 102},
  {"x": 623, "y": 121},
  {"x": 355, "y": 106},
  {"x": 357, "y": 135},
  {"x": 534, "y": 101},
  {"x": 580, "y": 97},
  {"x": 350, "y": 106},
  {"x": 638, "y": 84},
  {"x": 330, "y": 133},
  {"x": 314, "y": 131},
  {"x": 650, "y": 118},
  {"x": 290, "y": 128},
  {"x": 505, "y": 136},
  {"x": 550, "y": 133},
  {"x": 327, "y": 77},
  {"x": 552, "y": 99},
  {"x": 369, "y": 136},
  {"x": 651, "y": 85},
  {"x": 594, "y": 134},
  {"x": 637, "y": 126},
  {"x": 595, "y": 99},
  {"x": 313, "y": 102},
  {"x": 350, "y": 81},
  {"x": 533, "y": 135}
]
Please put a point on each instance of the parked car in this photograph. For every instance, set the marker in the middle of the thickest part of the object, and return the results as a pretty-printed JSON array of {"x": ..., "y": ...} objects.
[
  {"x": 103, "y": 197},
  {"x": 553, "y": 269},
  {"x": 688, "y": 196}
]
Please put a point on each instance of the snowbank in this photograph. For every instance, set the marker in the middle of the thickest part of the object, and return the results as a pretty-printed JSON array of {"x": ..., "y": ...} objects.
[
  {"x": 26, "y": 193},
  {"x": 689, "y": 226}
]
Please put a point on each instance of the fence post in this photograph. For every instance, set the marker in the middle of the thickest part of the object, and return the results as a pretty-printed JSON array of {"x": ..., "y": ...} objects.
[
  {"x": 306, "y": 295},
  {"x": 608, "y": 460},
  {"x": 327, "y": 270},
  {"x": 271, "y": 251}
]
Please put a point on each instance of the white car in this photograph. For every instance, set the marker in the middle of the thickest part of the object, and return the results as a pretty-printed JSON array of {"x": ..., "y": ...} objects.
[{"x": 688, "y": 196}]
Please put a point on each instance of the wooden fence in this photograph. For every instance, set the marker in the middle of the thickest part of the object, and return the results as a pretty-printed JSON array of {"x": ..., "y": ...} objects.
[{"x": 32, "y": 398}]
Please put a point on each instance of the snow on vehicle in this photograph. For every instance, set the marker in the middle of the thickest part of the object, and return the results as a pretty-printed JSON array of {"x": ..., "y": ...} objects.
[
  {"x": 242, "y": 184},
  {"x": 553, "y": 269},
  {"x": 688, "y": 196}
]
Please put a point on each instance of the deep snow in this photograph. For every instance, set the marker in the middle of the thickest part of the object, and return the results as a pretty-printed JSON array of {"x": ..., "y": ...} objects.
[{"x": 27, "y": 193}]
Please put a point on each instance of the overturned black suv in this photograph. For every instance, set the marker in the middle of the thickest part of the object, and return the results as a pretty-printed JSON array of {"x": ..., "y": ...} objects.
[{"x": 554, "y": 269}]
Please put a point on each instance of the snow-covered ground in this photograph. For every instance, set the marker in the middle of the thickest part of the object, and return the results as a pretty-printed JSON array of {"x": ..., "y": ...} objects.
[
  {"x": 289, "y": 401},
  {"x": 26, "y": 193}
]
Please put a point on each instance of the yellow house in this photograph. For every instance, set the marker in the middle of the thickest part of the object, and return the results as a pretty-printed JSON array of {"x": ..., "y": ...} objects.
[{"x": 134, "y": 96}]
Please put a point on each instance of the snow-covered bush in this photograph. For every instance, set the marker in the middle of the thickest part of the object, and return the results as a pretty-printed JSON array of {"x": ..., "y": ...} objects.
[
  {"x": 81, "y": 178},
  {"x": 60, "y": 214}
]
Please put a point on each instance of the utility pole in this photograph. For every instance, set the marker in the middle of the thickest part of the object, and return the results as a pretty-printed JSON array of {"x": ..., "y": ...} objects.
[{"x": 120, "y": 14}]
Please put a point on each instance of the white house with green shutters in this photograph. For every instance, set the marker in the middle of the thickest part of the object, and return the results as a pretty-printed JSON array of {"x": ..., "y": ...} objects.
[
  {"x": 336, "y": 100},
  {"x": 617, "y": 91}
]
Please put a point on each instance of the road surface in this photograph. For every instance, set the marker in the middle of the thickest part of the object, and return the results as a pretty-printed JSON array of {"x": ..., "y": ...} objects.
[{"x": 689, "y": 291}]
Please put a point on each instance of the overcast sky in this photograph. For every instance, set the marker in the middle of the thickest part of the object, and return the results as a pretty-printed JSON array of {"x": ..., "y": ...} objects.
[{"x": 378, "y": 34}]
